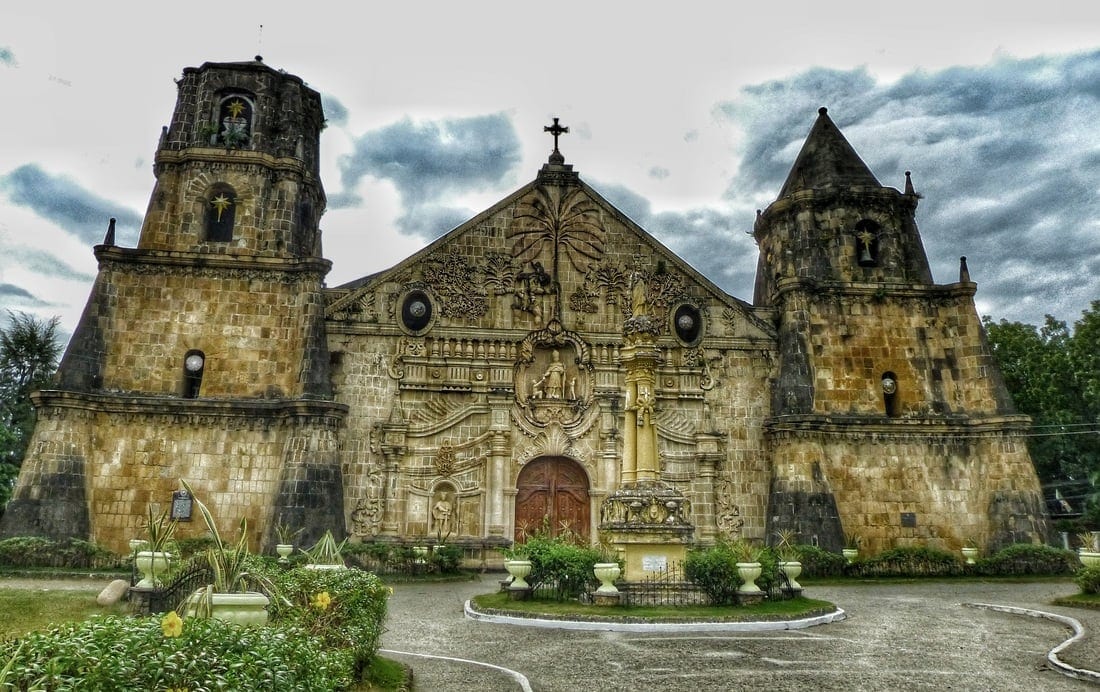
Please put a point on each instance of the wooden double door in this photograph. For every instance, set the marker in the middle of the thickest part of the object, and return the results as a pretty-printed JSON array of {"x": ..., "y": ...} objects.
[{"x": 552, "y": 495}]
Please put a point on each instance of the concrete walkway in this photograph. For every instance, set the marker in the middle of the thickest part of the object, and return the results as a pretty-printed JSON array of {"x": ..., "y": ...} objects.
[{"x": 912, "y": 636}]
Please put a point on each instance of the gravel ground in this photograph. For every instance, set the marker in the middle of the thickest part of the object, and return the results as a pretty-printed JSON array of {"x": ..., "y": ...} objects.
[{"x": 911, "y": 636}]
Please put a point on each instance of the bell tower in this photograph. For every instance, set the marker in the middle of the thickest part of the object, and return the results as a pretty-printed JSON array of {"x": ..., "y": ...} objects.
[
  {"x": 886, "y": 401},
  {"x": 210, "y": 333}
]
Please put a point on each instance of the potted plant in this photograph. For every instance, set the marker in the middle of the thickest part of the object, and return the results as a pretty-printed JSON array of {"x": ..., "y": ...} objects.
[
  {"x": 608, "y": 569},
  {"x": 789, "y": 563},
  {"x": 154, "y": 557},
  {"x": 326, "y": 553},
  {"x": 1089, "y": 551},
  {"x": 970, "y": 551},
  {"x": 235, "y": 595},
  {"x": 748, "y": 567},
  {"x": 285, "y": 546},
  {"x": 518, "y": 565},
  {"x": 852, "y": 542}
]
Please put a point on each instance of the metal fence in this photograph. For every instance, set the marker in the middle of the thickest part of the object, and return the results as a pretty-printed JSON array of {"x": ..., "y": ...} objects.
[{"x": 171, "y": 595}]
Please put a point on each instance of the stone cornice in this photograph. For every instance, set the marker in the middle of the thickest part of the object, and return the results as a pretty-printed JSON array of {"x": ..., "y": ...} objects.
[
  {"x": 811, "y": 425},
  {"x": 235, "y": 157},
  {"x": 175, "y": 260},
  {"x": 875, "y": 290},
  {"x": 148, "y": 405}
]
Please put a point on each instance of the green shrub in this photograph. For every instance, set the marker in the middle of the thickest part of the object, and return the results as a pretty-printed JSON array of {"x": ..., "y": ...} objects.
[
  {"x": 1088, "y": 579},
  {"x": 447, "y": 558},
  {"x": 559, "y": 565},
  {"x": 715, "y": 571},
  {"x": 124, "y": 653},
  {"x": 909, "y": 561},
  {"x": 74, "y": 553},
  {"x": 353, "y": 619},
  {"x": 1029, "y": 559},
  {"x": 821, "y": 563}
]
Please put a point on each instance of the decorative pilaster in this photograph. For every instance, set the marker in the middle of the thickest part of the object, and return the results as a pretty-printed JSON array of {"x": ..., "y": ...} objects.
[{"x": 646, "y": 519}]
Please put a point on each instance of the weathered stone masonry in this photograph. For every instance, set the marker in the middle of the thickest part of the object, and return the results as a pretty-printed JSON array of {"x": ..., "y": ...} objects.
[{"x": 476, "y": 391}]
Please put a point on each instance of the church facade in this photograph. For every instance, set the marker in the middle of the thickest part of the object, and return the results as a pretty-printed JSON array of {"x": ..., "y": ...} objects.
[{"x": 476, "y": 391}]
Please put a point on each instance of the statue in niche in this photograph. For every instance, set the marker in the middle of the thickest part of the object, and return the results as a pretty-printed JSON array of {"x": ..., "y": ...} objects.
[
  {"x": 552, "y": 383},
  {"x": 442, "y": 512},
  {"x": 639, "y": 298}
]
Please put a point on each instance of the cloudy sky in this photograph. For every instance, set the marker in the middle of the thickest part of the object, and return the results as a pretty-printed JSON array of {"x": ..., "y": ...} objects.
[{"x": 687, "y": 117}]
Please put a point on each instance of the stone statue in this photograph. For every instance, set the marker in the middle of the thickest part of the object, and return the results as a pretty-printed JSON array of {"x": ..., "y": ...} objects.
[
  {"x": 639, "y": 300},
  {"x": 441, "y": 514},
  {"x": 552, "y": 383}
]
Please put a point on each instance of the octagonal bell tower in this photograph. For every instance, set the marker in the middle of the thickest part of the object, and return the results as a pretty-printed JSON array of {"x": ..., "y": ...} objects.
[{"x": 202, "y": 353}]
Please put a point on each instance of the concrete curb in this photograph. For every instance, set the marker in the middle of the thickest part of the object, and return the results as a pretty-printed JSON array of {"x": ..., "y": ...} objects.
[
  {"x": 758, "y": 626},
  {"x": 1052, "y": 656}
]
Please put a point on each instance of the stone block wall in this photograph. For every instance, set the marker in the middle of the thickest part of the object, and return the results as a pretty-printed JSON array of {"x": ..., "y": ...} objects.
[
  {"x": 252, "y": 326},
  {"x": 930, "y": 338}
]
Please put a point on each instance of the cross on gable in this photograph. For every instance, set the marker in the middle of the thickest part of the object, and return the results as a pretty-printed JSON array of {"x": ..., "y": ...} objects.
[{"x": 555, "y": 130}]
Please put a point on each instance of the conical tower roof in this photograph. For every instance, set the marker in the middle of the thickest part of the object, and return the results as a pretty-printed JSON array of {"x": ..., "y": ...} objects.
[{"x": 826, "y": 159}]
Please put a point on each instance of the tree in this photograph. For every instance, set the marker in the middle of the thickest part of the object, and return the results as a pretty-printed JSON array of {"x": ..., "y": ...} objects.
[
  {"x": 29, "y": 350},
  {"x": 1054, "y": 377}
]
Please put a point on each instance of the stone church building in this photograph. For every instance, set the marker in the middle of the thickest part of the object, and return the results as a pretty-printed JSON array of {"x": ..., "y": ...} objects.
[{"x": 477, "y": 390}]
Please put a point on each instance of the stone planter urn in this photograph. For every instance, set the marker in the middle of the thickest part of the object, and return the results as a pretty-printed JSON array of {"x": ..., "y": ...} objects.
[
  {"x": 970, "y": 552},
  {"x": 749, "y": 572},
  {"x": 792, "y": 568},
  {"x": 247, "y": 608},
  {"x": 151, "y": 564},
  {"x": 519, "y": 569},
  {"x": 607, "y": 573},
  {"x": 850, "y": 554},
  {"x": 1088, "y": 558},
  {"x": 284, "y": 551}
]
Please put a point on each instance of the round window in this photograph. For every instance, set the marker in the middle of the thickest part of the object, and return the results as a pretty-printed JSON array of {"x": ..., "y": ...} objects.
[
  {"x": 416, "y": 311},
  {"x": 688, "y": 323}
]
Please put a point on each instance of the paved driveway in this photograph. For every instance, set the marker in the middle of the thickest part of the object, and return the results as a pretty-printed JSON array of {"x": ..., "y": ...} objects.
[{"x": 913, "y": 636}]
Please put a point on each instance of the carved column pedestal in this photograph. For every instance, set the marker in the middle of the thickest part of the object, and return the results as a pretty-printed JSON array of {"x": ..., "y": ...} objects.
[{"x": 647, "y": 524}]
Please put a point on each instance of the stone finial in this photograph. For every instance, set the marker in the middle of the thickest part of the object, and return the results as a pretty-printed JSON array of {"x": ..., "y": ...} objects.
[
  {"x": 909, "y": 184},
  {"x": 109, "y": 239},
  {"x": 964, "y": 273}
]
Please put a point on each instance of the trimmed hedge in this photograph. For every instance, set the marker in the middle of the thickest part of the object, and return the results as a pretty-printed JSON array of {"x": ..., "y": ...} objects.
[
  {"x": 1088, "y": 578},
  {"x": 908, "y": 561},
  {"x": 34, "y": 551},
  {"x": 1028, "y": 559}
]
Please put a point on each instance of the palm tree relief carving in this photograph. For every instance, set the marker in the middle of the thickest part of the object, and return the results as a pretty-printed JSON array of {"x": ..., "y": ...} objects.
[{"x": 552, "y": 226}]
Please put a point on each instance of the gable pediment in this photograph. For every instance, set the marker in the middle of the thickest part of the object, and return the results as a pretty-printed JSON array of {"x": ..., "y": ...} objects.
[{"x": 554, "y": 249}]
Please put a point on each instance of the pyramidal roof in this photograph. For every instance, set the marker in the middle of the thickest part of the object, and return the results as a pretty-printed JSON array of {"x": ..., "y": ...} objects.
[{"x": 826, "y": 159}]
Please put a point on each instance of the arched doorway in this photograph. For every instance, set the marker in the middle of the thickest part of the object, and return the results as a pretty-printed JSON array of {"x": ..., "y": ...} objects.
[{"x": 552, "y": 492}]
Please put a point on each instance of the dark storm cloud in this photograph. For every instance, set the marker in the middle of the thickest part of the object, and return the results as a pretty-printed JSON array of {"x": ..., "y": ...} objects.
[
  {"x": 13, "y": 295},
  {"x": 335, "y": 112},
  {"x": 431, "y": 220},
  {"x": 66, "y": 203},
  {"x": 712, "y": 241},
  {"x": 45, "y": 263},
  {"x": 1002, "y": 154},
  {"x": 426, "y": 160}
]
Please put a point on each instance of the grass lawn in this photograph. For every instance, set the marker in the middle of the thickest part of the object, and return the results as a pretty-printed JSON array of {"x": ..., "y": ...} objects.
[
  {"x": 1080, "y": 600},
  {"x": 26, "y": 610},
  {"x": 792, "y": 609}
]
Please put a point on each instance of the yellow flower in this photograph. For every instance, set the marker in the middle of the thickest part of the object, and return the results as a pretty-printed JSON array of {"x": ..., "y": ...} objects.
[
  {"x": 171, "y": 625},
  {"x": 321, "y": 601},
  {"x": 391, "y": 589}
]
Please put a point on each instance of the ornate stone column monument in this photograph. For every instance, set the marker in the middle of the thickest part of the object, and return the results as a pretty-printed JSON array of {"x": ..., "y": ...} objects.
[{"x": 645, "y": 519}]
